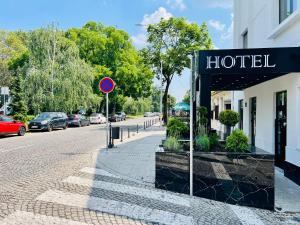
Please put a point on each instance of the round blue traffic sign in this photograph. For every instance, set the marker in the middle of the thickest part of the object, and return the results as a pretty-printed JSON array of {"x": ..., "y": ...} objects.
[{"x": 106, "y": 85}]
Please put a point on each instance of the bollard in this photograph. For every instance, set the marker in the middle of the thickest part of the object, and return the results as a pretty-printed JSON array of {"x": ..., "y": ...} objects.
[
  {"x": 137, "y": 128},
  {"x": 121, "y": 134},
  {"x": 128, "y": 133},
  {"x": 144, "y": 126}
]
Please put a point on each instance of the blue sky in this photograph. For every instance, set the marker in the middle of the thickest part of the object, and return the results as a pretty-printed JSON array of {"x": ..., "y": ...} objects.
[{"x": 125, "y": 14}]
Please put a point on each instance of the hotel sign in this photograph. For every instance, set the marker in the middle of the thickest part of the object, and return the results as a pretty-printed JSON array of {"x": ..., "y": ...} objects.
[{"x": 250, "y": 61}]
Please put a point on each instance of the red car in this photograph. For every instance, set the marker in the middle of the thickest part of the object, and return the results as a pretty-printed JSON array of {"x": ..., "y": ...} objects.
[{"x": 11, "y": 126}]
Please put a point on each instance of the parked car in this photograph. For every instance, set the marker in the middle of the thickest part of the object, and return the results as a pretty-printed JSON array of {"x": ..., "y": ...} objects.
[
  {"x": 11, "y": 126},
  {"x": 114, "y": 118},
  {"x": 121, "y": 115},
  {"x": 97, "y": 118},
  {"x": 47, "y": 121},
  {"x": 78, "y": 120}
]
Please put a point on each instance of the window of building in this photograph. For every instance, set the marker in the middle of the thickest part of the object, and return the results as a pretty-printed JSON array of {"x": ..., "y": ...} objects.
[
  {"x": 286, "y": 8},
  {"x": 241, "y": 112},
  {"x": 245, "y": 39},
  {"x": 217, "y": 112},
  {"x": 228, "y": 106}
]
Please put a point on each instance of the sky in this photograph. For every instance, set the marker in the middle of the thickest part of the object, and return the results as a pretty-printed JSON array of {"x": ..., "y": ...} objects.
[{"x": 124, "y": 14}]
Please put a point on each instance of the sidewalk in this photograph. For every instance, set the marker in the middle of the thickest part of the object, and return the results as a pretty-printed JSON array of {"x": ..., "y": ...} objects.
[{"x": 134, "y": 158}]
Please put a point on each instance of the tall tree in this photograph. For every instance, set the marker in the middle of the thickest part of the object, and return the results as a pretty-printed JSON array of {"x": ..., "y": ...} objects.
[
  {"x": 112, "y": 50},
  {"x": 11, "y": 47},
  {"x": 170, "y": 42}
]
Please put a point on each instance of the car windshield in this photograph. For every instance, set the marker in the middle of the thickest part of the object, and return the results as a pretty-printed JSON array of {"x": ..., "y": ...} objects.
[
  {"x": 94, "y": 114},
  {"x": 45, "y": 116}
]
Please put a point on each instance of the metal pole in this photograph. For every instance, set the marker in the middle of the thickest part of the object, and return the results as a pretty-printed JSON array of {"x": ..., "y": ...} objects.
[
  {"x": 161, "y": 87},
  {"x": 191, "y": 124},
  {"x": 107, "y": 121}
]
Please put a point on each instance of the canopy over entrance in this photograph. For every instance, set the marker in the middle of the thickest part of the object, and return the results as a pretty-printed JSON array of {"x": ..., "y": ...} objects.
[{"x": 238, "y": 69}]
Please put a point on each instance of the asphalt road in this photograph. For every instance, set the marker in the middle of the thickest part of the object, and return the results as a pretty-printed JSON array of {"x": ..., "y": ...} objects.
[{"x": 39, "y": 155}]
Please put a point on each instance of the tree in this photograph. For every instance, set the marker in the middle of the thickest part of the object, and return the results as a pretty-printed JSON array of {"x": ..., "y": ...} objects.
[
  {"x": 53, "y": 76},
  {"x": 171, "y": 102},
  {"x": 111, "y": 50},
  {"x": 11, "y": 47},
  {"x": 170, "y": 42},
  {"x": 186, "y": 97}
]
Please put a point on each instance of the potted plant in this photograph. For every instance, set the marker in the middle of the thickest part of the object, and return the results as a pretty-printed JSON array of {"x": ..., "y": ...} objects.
[{"x": 229, "y": 118}]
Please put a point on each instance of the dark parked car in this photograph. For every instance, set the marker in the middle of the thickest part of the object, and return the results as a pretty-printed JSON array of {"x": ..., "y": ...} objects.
[
  {"x": 121, "y": 115},
  {"x": 11, "y": 126},
  {"x": 47, "y": 121},
  {"x": 114, "y": 118},
  {"x": 78, "y": 120}
]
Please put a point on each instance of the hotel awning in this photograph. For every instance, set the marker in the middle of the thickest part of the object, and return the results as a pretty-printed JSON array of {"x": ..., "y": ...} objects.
[{"x": 237, "y": 69}]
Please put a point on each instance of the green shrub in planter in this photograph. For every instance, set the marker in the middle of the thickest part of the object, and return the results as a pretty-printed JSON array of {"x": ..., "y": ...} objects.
[
  {"x": 214, "y": 140},
  {"x": 229, "y": 118},
  {"x": 237, "y": 142},
  {"x": 176, "y": 128},
  {"x": 202, "y": 142},
  {"x": 172, "y": 144}
]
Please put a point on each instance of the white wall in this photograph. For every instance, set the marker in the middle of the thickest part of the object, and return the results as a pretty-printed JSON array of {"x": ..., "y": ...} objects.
[{"x": 261, "y": 19}]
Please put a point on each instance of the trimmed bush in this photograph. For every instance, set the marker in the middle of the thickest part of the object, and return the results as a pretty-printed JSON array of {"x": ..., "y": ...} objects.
[
  {"x": 172, "y": 144},
  {"x": 229, "y": 118},
  {"x": 176, "y": 128},
  {"x": 20, "y": 117},
  {"x": 237, "y": 142},
  {"x": 214, "y": 140},
  {"x": 202, "y": 142}
]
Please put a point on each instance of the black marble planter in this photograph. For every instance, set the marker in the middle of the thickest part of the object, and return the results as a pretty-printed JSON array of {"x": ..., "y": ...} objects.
[{"x": 237, "y": 178}]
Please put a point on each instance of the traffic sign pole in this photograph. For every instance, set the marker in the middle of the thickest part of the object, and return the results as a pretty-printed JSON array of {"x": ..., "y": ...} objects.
[
  {"x": 106, "y": 85},
  {"x": 107, "y": 121}
]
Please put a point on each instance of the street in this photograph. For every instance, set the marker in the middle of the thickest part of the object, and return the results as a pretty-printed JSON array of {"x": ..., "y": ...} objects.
[{"x": 31, "y": 164}]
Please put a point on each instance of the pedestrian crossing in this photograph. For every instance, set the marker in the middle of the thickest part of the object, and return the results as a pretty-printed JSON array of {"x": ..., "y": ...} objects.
[{"x": 159, "y": 207}]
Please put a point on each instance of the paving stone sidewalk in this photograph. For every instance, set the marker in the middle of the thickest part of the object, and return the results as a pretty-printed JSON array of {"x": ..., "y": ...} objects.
[{"x": 116, "y": 187}]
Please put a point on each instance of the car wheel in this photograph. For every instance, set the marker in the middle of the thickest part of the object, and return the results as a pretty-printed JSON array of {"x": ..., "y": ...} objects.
[
  {"x": 79, "y": 124},
  {"x": 65, "y": 126},
  {"x": 22, "y": 131},
  {"x": 49, "y": 128}
]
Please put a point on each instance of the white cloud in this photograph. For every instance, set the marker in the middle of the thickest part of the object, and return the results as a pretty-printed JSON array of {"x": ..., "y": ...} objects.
[
  {"x": 226, "y": 31},
  {"x": 176, "y": 4},
  {"x": 225, "y": 4},
  {"x": 217, "y": 25},
  {"x": 155, "y": 17},
  {"x": 140, "y": 40}
]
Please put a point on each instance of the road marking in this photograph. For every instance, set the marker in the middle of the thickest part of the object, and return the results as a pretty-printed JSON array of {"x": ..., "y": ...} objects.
[
  {"x": 115, "y": 207},
  {"x": 16, "y": 148},
  {"x": 100, "y": 172},
  {"x": 246, "y": 216},
  {"x": 147, "y": 193},
  {"x": 220, "y": 171},
  {"x": 27, "y": 218}
]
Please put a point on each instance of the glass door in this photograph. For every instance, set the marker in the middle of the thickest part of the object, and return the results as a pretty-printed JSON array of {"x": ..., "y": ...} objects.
[
  {"x": 280, "y": 128},
  {"x": 253, "y": 120}
]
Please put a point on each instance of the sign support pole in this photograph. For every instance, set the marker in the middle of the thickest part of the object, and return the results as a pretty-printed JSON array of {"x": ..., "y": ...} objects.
[
  {"x": 191, "y": 122},
  {"x": 107, "y": 132}
]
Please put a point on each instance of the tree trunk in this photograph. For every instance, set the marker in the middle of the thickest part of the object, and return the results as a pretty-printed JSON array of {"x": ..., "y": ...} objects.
[{"x": 165, "y": 103}]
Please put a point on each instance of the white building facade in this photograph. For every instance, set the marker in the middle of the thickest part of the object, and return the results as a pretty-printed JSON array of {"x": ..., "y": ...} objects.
[{"x": 270, "y": 110}]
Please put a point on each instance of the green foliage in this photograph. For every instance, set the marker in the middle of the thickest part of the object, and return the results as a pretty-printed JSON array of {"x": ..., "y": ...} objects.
[
  {"x": 229, "y": 118},
  {"x": 213, "y": 140},
  {"x": 112, "y": 49},
  {"x": 202, "y": 114},
  {"x": 170, "y": 44},
  {"x": 23, "y": 118},
  {"x": 172, "y": 144},
  {"x": 237, "y": 142},
  {"x": 176, "y": 128},
  {"x": 203, "y": 143},
  {"x": 186, "y": 97},
  {"x": 11, "y": 47},
  {"x": 52, "y": 75}
]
